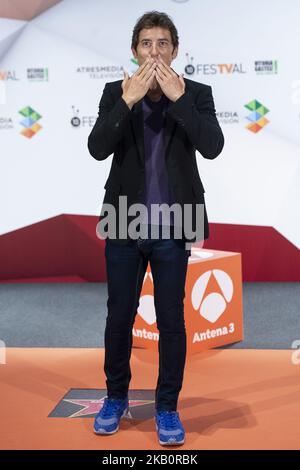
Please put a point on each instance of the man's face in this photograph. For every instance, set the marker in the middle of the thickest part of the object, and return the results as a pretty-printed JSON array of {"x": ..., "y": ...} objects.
[{"x": 152, "y": 42}]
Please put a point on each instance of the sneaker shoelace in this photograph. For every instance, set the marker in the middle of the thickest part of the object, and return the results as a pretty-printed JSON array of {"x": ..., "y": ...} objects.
[
  {"x": 170, "y": 420},
  {"x": 109, "y": 407}
]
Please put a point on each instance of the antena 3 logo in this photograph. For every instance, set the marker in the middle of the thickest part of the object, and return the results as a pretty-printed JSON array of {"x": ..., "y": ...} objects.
[
  {"x": 210, "y": 306},
  {"x": 213, "y": 305},
  {"x": 146, "y": 308},
  {"x": 29, "y": 122},
  {"x": 211, "y": 69}
]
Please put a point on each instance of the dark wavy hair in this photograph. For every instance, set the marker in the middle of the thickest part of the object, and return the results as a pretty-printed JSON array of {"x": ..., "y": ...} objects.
[{"x": 152, "y": 19}]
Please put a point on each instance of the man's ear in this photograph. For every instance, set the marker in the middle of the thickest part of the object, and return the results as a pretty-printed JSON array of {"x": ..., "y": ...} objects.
[
  {"x": 134, "y": 52},
  {"x": 174, "y": 53}
]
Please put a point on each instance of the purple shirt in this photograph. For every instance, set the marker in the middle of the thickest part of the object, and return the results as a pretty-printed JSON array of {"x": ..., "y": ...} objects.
[{"x": 157, "y": 187}]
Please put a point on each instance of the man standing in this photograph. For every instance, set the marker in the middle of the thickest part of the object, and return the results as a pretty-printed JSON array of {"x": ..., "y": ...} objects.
[{"x": 153, "y": 122}]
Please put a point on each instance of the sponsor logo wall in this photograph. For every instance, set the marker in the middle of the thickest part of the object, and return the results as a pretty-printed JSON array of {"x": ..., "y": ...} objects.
[{"x": 53, "y": 68}]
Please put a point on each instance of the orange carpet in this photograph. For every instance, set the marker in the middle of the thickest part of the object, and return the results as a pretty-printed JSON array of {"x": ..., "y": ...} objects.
[{"x": 231, "y": 399}]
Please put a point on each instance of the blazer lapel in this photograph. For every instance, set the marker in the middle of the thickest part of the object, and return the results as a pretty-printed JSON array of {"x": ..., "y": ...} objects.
[
  {"x": 137, "y": 123},
  {"x": 171, "y": 125},
  {"x": 169, "y": 132}
]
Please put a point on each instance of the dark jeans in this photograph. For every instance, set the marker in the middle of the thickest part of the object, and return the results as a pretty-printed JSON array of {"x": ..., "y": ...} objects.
[{"x": 126, "y": 266}]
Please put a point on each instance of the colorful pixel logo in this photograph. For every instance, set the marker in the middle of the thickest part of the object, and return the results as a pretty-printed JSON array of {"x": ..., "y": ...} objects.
[
  {"x": 29, "y": 122},
  {"x": 257, "y": 116}
]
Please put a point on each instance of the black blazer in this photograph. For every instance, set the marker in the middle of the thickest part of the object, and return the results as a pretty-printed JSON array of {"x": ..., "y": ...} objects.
[{"x": 191, "y": 125}]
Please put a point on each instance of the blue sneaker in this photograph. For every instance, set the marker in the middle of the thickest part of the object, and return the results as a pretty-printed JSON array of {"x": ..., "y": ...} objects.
[
  {"x": 169, "y": 428},
  {"x": 108, "y": 419}
]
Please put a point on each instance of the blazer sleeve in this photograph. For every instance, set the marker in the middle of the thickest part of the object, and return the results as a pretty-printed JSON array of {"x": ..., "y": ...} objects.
[
  {"x": 109, "y": 126},
  {"x": 198, "y": 118}
]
